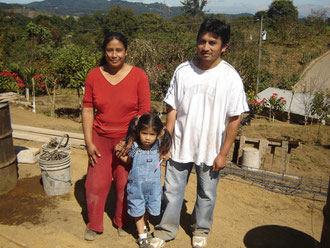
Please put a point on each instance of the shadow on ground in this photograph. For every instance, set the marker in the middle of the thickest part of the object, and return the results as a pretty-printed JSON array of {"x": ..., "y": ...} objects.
[
  {"x": 79, "y": 192},
  {"x": 272, "y": 236}
]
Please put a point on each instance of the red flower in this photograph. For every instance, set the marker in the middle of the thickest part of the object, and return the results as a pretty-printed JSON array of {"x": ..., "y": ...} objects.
[
  {"x": 37, "y": 76},
  {"x": 6, "y": 73},
  {"x": 161, "y": 66},
  {"x": 284, "y": 101},
  {"x": 19, "y": 80},
  {"x": 21, "y": 85}
]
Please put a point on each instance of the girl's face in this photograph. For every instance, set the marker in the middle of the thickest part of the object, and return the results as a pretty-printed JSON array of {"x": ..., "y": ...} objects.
[
  {"x": 147, "y": 137},
  {"x": 115, "y": 53}
]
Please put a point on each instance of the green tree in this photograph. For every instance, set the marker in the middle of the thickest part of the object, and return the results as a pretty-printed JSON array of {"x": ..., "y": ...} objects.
[
  {"x": 38, "y": 33},
  {"x": 150, "y": 23},
  {"x": 259, "y": 14},
  {"x": 71, "y": 65},
  {"x": 317, "y": 20},
  {"x": 194, "y": 7},
  {"x": 122, "y": 20},
  {"x": 283, "y": 18},
  {"x": 321, "y": 107},
  {"x": 280, "y": 9}
]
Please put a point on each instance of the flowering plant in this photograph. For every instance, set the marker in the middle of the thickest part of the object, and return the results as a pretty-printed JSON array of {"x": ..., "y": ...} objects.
[
  {"x": 275, "y": 104},
  {"x": 11, "y": 82},
  {"x": 45, "y": 82},
  {"x": 256, "y": 106}
]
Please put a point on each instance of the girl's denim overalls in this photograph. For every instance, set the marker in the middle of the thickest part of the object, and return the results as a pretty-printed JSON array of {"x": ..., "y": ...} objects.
[{"x": 144, "y": 188}]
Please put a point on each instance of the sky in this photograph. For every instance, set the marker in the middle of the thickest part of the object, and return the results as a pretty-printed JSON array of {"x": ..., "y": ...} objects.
[{"x": 233, "y": 6}]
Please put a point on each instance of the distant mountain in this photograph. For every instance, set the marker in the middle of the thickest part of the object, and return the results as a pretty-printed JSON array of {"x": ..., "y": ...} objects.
[{"x": 89, "y": 7}]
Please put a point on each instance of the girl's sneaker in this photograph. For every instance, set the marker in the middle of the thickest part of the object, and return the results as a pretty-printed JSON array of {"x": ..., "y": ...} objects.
[{"x": 143, "y": 243}]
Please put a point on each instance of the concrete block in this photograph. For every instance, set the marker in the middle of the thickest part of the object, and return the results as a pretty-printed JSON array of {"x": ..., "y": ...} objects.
[{"x": 26, "y": 155}]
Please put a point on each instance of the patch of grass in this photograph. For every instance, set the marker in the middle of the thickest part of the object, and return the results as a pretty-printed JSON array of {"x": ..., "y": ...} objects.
[
  {"x": 261, "y": 127},
  {"x": 297, "y": 159}
]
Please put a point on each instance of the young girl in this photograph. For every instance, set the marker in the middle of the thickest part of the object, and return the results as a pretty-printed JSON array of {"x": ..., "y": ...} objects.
[{"x": 144, "y": 189}]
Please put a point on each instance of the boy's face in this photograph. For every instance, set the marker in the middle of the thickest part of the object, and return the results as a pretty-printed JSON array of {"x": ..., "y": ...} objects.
[{"x": 209, "y": 49}]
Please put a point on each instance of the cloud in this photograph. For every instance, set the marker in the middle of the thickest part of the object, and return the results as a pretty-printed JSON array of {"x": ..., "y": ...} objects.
[
  {"x": 305, "y": 9},
  {"x": 228, "y": 7}
]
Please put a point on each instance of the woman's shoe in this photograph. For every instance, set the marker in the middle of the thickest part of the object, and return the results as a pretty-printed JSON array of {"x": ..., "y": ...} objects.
[
  {"x": 90, "y": 235},
  {"x": 122, "y": 232}
]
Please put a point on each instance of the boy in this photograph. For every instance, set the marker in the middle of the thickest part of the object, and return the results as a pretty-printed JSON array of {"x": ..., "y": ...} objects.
[{"x": 205, "y": 93}]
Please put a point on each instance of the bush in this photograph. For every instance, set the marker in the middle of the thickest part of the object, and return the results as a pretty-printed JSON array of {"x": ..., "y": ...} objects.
[{"x": 10, "y": 82}]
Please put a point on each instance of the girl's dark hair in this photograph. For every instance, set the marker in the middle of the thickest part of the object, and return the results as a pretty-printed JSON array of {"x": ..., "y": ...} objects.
[
  {"x": 150, "y": 121},
  {"x": 220, "y": 28},
  {"x": 109, "y": 37}
]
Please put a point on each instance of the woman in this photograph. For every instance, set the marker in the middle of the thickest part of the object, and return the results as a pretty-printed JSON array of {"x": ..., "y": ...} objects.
[{"x": 115, "y": 92}]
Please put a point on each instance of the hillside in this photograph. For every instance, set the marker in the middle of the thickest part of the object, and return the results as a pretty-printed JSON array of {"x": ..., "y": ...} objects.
[{"x": 89, "y": 7}]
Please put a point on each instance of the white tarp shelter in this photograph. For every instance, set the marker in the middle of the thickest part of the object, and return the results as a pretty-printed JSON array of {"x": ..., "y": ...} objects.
[{"x": 300, "y": 102}]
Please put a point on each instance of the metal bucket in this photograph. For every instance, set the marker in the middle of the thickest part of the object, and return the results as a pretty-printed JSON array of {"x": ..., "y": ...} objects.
[
  {"x": 8, "y": 164},
  {"x": 55, "y": 168},
  {"x": 59, "y": 145}
]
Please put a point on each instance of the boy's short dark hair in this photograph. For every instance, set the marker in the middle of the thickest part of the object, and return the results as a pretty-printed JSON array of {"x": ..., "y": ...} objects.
[{"x": 216, "y": 26}]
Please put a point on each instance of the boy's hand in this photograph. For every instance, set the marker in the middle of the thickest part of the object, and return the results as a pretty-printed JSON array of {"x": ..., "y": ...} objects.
[{"x": 219, "y": 163}]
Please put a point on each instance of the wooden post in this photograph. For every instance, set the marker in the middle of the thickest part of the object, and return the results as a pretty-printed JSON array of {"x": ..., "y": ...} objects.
[
  {"x": 235, "y": 152},
  {"x": 242, "y": 140},
  {"x": 263, "y": 145},
  {"x": 285, "y": 160},
  {"x": 259, "y": 56},
  {"x": 272, "y": 152}
]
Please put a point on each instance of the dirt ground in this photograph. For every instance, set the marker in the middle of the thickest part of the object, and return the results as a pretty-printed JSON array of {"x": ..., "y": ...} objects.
[{"x": 244, "y": 216}]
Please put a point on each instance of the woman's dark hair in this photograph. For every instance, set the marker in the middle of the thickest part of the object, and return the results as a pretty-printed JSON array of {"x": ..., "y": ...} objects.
[
  {"x": 220, "y": 28},
  {"x": 150, "y": 121},
  {"x": 109, "y": 37}
]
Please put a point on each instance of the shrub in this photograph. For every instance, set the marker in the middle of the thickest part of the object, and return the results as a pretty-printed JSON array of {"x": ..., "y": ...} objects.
[
  {"x": 11, "y": 82},
  {"x": 275, "y": 104}
]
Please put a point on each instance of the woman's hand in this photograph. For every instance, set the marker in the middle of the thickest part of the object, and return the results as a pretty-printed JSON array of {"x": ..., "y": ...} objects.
[
  {"x": 93, "y": 154},
  {"x": 123, "y": 147}
]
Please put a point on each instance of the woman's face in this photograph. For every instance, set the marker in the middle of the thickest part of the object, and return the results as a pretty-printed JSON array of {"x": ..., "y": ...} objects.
[{"x": 115, "y": 53}]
